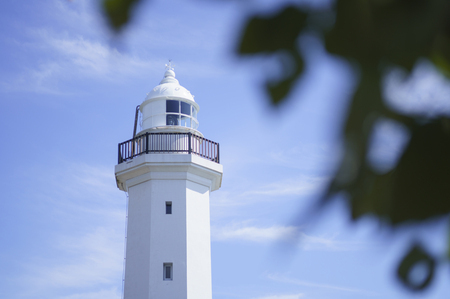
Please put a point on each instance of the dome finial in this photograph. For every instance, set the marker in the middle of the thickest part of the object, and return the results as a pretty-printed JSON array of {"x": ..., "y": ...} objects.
[
  {"x": 169, "y": 75},
  {"x": 169, "y": 66}
]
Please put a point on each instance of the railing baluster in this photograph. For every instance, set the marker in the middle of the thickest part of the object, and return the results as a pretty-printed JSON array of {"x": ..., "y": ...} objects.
[
  {"x": 146, "y": 142},
  {"x": 189, "y": 143}
]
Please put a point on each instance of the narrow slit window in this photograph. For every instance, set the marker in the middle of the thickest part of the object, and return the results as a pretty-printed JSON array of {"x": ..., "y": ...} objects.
[
  {"x": 168, "y": 271},
  {"x": 168, "y": 207}
]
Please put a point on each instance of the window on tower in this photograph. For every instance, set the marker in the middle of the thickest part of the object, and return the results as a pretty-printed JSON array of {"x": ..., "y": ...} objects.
[
  {"x": 172, "y": 106},
  {"x": 185, "y": 108},
  {"x": 168, "y": 271},
  {"x": 172, "y": 119},
  {"x": 168, "y": 207},
  {"x": 179, "y": 113}
]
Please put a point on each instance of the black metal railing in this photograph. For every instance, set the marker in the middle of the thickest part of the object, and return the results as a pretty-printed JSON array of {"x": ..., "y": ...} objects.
[{"x": 186, "y": 143}]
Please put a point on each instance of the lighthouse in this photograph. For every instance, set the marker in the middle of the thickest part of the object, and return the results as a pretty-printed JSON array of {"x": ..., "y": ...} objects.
[{"x": 168, "y": 170}]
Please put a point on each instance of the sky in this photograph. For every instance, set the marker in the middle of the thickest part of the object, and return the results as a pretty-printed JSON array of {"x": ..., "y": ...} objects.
[{"x": 68, "y": 92}]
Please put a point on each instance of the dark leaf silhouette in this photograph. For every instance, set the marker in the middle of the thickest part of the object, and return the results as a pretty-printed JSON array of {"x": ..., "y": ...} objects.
[
  {"x": 416, "y": 257},
  {"x": 277, "y": 34},
  {"x": 118, "y": 12}
]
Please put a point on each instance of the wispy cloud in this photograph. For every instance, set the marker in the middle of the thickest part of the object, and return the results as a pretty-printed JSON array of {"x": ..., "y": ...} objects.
[
  {"x": 230, "y": 203},
  {"x": 256, "y": 234},
  {"x": 284, "y": 279},
  {"x": 101, "y": 294},
  {"x": 87, "y": 260},
  {"x": 66, "y": 58},
  {"x": 303, "y": 185},
  {"x": 290, "y": 296},
  {"x": 73, "y": 49},
  {"x": 94, "y": 58},
  {"x": 314, "y": 157},
  {"x": 293, "y": 235},
  {"x": 78, "y": 47},
  {"x": 85, "y": 247},
  {"x": 82, "y": 190},
  {"x": 282, "y": 188}
]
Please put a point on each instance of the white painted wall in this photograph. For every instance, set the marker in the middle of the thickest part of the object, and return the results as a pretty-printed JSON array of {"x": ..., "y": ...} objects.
[
  {"x": 198, "y": 242},
  {"x": 181, "y": 238},
  {"x": 168, "y": 238},
  {"x": 138, "y": 242},
  {"x": 153, "y": 114}
]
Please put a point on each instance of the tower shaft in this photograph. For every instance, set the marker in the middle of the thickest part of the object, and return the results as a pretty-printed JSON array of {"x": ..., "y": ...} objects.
[{"x": 168, "y": 251}]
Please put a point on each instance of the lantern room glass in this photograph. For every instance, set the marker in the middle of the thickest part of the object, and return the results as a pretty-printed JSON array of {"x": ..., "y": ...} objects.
[
  {"x": 172, "y": 119},
  {"x": 172, "y": 106},
  {"x": 179, "y": 113},
  {"x": 185, "y": 108}
]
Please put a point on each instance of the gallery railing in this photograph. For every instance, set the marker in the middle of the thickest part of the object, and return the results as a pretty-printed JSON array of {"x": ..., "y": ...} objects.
[{"x": 186, "y": 143}]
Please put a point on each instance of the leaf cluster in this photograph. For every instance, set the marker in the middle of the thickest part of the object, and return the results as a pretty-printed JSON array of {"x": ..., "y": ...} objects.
[{"x": 375, "y": 36}]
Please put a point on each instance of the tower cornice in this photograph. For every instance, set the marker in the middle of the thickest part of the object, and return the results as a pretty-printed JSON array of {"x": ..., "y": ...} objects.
[{"x": 169, "y": 167}]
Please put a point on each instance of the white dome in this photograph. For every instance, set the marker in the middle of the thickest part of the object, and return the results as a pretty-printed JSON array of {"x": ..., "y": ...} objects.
[
  {"x": 169, "y": 107},
  {"x": 169, "y": 87}
]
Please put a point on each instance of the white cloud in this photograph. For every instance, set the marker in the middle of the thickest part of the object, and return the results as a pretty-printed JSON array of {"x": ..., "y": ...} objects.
[
  {"x": 80, "y": 15},
  {"x": 291, "y": 296},
  {"x": 73, "y": 49},
  {"x": 94, "y": 58},
  {"x": 292, "y": 235},
  {"x": 328, "y": 243},
  {"x": 284, "y": 279},
  {"x": 79, "y": 56},
  {"x": 78, "y": 48},
  {"x": 81, "y": 191},
  {"x": 315, "y": 157},
  {"x": 66, "y": 59},
  {"x": 229, "y": 204},
  {"x": 87, "y": 260},
  {"x": 101, "y": 294},
  {"x": 256, "y": 234},
  {"x": 299, "y": 186},
  {"x": 85, "y": 247},
  {"x": 284, "y": 188}
]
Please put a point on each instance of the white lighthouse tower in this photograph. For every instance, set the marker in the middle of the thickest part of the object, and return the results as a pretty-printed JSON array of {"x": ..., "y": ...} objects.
[{"x": 168, "y": 170}]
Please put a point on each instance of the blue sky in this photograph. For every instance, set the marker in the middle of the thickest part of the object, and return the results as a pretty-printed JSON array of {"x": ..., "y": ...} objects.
[{"x": 68, "y": 90}]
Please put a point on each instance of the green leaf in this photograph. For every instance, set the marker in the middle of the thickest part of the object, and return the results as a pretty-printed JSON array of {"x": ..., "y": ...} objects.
[
  {"x": 366, "y": 190},
  {"x": 277, "y": 35},
  {"x": 422, "y": 176},
  {"x": 268, "y": 34},
  {"x": 387, "y": 32},
  {"x": 441, "y": 53},
  {"x": 118, "y": 12},
  {"x": 416, "y": 255},
  {"x": 278, "y": 89},
  {"x": 416, "y": 190}
]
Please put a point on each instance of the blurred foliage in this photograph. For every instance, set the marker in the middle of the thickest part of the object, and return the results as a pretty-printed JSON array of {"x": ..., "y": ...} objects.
[
  {"x": 374, "y": 36},
  {"x": 416, "y": 257},
  {"x": 118, "y": 12}
]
